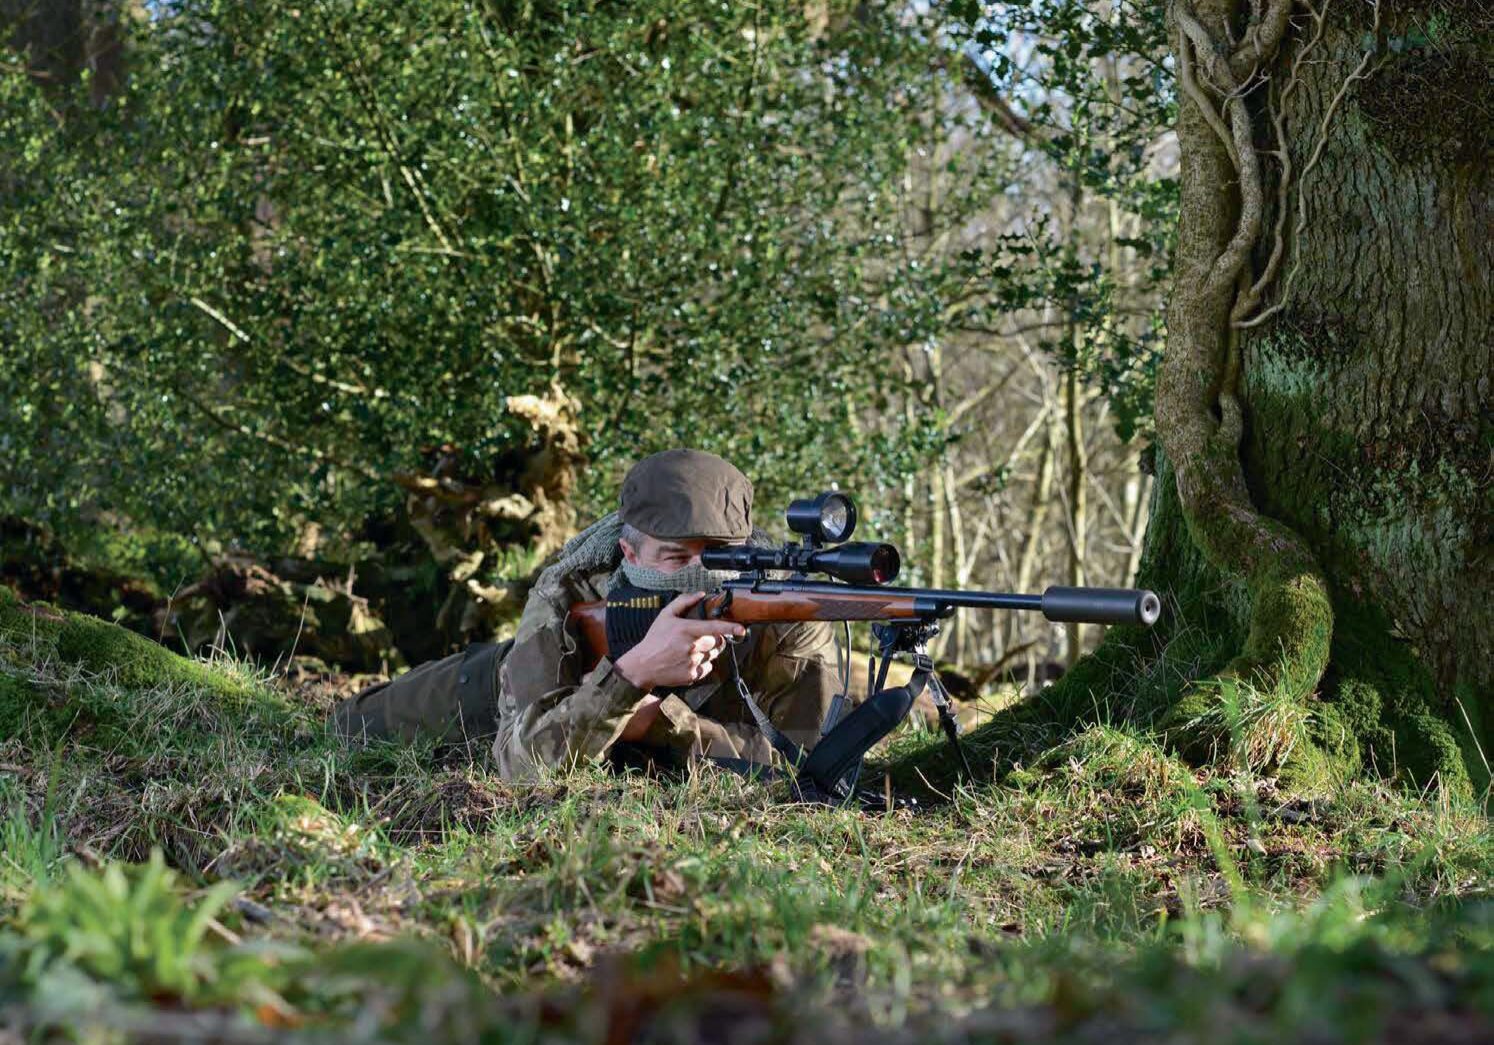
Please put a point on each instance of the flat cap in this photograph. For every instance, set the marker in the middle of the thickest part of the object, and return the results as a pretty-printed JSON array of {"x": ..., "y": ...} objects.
[{"x": 687, "y": 494}]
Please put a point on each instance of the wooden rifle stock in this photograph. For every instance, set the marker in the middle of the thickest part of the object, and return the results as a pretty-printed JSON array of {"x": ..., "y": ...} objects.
[{"x": 761, "y": 607}]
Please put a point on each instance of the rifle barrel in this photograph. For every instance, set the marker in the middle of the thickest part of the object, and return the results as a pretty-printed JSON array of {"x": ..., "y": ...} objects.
[{"x": 1057, "y": 603}]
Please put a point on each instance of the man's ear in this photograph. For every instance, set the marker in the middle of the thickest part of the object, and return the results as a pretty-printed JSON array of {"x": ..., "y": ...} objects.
[{"x": 630, "y": 554}]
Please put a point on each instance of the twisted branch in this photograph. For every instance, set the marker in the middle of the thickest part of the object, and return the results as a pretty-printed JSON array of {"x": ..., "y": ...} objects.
[
  {"x": 1198, "y": 410},
  {"x": 1195, "y": 93},
  {"x": 1251, "y": 297},
  {"x": 1262, "y": 37}
]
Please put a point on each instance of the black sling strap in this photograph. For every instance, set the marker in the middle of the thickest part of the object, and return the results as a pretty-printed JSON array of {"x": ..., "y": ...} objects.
[{"x": 792, "y": 753}]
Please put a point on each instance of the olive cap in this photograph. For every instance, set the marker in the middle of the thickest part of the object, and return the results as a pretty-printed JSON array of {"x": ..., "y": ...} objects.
[{"x": 685, "y": 495}]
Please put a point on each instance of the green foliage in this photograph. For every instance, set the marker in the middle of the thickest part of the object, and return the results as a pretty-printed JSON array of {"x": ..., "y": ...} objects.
[
  {"x": 127, "y": 926},
  {"x": 308, "y": 240},
  {"x": 305, "y": 242},
  {"x": 29, "y": 843}
]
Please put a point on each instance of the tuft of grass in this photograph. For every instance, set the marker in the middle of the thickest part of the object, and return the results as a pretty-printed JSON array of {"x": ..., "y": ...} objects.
[
  {"x": 94, "y": 947},
  {"x": 1232, "y": 723}
]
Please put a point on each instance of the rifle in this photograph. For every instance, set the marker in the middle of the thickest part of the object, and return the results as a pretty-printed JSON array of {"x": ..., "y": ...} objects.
[{"x": 903, "y": 619}]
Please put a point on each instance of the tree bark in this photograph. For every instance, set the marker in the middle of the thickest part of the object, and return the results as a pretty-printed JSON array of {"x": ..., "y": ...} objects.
[{"x": 1367, "y": 392}]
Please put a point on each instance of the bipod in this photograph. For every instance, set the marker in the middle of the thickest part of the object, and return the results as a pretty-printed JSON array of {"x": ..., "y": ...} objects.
[{"x": 895, "y": 638}]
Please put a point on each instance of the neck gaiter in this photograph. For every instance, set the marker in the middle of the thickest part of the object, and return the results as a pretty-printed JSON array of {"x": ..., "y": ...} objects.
[{"x": 694, "y": 577}]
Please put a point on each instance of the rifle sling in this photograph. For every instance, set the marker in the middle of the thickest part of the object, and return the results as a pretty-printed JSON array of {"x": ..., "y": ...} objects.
[
  {"x": 840, "y": 753},
  {"x": 791, "y": 753}
]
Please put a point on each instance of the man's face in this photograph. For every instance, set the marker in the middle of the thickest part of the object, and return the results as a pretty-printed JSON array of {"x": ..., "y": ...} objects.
[{"x": 667, "y": 556}]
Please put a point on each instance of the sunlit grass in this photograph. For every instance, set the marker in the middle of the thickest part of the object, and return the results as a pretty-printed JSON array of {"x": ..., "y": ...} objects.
[{"x": 381, "y": 891}]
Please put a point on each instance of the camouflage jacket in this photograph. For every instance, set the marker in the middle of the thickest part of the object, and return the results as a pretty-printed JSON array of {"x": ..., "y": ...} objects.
[{"x": 553, "y": 712}]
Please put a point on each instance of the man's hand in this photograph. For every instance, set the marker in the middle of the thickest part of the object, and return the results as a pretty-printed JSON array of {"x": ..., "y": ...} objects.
[{"x": 677, "y": 650}]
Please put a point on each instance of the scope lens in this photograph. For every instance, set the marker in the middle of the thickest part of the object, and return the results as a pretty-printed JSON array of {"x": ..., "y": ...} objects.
[{"x": 884, "y": 564}]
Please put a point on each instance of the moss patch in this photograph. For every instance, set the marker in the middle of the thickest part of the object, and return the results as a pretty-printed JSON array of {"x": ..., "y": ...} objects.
[
  {"x": 107, "y": 649},
  {"x": 1310, "y": 333},
  {"x": 1379, "y": 692},
  {"x": 114, "y": 688}
]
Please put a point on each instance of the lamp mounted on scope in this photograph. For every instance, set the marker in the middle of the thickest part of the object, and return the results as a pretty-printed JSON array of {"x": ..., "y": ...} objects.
[{"x": 829, "y": 518}]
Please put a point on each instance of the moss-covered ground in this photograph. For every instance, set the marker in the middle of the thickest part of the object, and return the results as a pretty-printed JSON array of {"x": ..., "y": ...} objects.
[{"x": 186, "y": 855}]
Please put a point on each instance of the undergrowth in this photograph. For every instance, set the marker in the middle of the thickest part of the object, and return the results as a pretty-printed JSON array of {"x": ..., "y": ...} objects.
[{"x": 206, "y": 863}]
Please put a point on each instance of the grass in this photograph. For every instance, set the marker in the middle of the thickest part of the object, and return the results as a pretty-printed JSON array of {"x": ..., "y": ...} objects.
[{"x": 183, "y": 862}]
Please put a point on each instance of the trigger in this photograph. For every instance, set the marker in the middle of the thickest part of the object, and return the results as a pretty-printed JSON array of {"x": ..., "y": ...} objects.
[{"x": 720, "y": 611}]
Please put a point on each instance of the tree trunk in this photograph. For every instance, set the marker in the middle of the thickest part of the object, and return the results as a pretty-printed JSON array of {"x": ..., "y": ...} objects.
[
  {"x": 1320, "y": 522},
  {"x": 1367, "y": 393}
]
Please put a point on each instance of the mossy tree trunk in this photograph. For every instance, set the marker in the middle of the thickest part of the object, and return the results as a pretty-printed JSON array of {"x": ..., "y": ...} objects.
[
  {"x": 1321, "y": 520},
  {"x": 1366, "y": 386}
]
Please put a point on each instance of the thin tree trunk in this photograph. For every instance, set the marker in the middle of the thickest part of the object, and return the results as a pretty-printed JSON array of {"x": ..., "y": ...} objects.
[
  {"x": 1138, "y": 492},
  {"x": 1037, "y": 518},
  {"x": 936, "y": 527},
  {"x": 1077, "y": 464},
  {"x": 956, "y": 639}
]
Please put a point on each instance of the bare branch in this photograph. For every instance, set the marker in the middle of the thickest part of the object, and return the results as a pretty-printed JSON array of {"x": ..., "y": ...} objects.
[
  {"x": 992, "y": 101},
  {"x": 289, "y": 364}
]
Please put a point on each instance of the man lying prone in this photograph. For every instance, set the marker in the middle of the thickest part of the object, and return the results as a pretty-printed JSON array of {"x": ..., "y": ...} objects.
[{"x": 667, "y": 699}]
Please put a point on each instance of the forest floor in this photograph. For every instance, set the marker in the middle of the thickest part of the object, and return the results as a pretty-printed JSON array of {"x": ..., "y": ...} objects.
[{"x": 180, "y": 866}]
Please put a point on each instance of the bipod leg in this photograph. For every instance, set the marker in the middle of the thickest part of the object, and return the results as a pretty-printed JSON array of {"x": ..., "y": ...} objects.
[
  {"x": 952, "y": 731},
  {"x": 945, "y": 708}
]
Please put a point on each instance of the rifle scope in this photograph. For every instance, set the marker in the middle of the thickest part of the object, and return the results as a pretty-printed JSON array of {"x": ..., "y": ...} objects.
[{"x": 859, "y": 562}]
